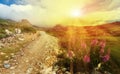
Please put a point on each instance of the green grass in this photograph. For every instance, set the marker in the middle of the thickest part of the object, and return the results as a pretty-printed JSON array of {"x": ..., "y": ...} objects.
[
  {"x": 115, "y": 50},
  {"x": 7, "y": 52},
  {"x": 12, "y": 49},
  {"x": 11, "y": 25},
  {"x": 114, "y": 44}
]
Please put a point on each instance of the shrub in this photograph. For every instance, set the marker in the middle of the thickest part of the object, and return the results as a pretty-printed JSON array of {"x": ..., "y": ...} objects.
[
  {"x": 28, "y": 29},
  {"x": 2, "y": 36},
  {"x": 90, "y": 56}
]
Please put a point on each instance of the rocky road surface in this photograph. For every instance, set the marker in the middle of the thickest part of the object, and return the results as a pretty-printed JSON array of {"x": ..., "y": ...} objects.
[{"x": 36, "y": 58}]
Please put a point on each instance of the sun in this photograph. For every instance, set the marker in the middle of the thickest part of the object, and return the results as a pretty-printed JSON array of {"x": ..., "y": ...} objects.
[{"x": 76, "y": 13}]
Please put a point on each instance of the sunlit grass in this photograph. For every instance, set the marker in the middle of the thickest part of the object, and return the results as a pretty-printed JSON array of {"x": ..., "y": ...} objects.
[{"x": 72, "y": 37}]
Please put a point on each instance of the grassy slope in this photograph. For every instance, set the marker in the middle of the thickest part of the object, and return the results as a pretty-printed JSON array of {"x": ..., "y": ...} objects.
[
  {"x": 6, "y": 24},
  {"x": 112, "y": 35},
  {"x": 11, "y": 25},
  {"x": 114, "y": 30}
]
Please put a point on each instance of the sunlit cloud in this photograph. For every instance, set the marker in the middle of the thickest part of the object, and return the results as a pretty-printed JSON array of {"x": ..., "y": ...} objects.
[{"x": 51, "y": 12}]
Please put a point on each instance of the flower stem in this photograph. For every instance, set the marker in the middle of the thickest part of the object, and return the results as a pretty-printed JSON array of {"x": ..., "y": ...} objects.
[{"x": 71, "y": 66}]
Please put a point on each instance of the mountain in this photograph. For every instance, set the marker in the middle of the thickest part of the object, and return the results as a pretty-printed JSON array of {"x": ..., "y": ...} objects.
[
  {"x": 24, "y": 25},
  {"x": 4, "y": 22},
  {"x": 24, "y": 22},
  {"x": 111, "y": 28}
]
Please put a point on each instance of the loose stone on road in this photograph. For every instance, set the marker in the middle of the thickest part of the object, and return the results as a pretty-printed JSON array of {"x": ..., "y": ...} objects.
[{"x": 38, "y": 56}]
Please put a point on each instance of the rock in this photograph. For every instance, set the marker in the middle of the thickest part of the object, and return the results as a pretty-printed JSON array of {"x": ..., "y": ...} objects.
[
  {"x": 15, "y": 60},
  {"x": 48, "y": 57},
  {"x": 47, "y": 71},
  {"x": 16, "y": 63},
  {"x": 29, "y": 70},
  {"x": 59, "y": 71},
  {"x": 1, "y": 45},
  {"x": 55, "y": 68},
  {"x": 12, "y": 54},
  {"x": 21, "y": 39},
  {"x": 67, "y": 72},
  {"x": 8, "y": 32},
  {"x": 17, "y": 31},
  {"x": 13, "y": 64},
  {"x": 12, "y": 68},
  {"x": 64, "y": 69},
  {"x": 6, "y": 56},
  {"x": 106, "y": 72},
  {"x": 13, "y": 73},
  {"x": 6, "y": 65},
  {"x": 2, "y": 53},
  {"x": 27, "y": 61},
  {"x": 6, "y": 61}
]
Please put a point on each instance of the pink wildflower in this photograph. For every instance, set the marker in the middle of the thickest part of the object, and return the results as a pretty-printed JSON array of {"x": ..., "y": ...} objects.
[
  {"x": 106, "y": 57},
  {"x": 101, "y": 51},
  {"x": 102, "y": 44},
  {"x": 70, "y": 54},
  {"x": 94, "y": 42},
  {"x": 86, "y": 58},
  {"x": 83, "y": 45}
]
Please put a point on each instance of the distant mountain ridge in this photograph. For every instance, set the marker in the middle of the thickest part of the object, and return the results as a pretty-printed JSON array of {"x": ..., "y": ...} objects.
[
  {"x": 24, "y": 25},
  {"x": 12, "y": 22}
]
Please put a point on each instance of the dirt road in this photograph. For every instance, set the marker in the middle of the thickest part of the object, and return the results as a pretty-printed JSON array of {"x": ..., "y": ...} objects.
[{"x": 34, "y": 57}]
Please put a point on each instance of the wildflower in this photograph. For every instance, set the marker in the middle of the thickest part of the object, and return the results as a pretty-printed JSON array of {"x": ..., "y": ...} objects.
[
  {"x": 102, "y": 44},
  {"x": 86, "y": 58},
  {"x": 70, "y": 54},
  {"x": 94, "y": 42},
  {"x": 83, "y": 45},
  {"x": 101, "y": 51},
  {"x": 106, "y": 58}
]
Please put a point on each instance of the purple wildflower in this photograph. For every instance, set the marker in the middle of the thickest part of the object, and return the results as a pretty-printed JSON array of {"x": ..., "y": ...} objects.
[{"x": 106, "y": 57}]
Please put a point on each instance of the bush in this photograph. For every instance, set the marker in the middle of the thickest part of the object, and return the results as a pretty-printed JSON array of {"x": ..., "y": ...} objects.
[
  {"x": 86, "y": 58},
  {"x": 28, "y": 29},
  {"x": 2, "y": 35}
]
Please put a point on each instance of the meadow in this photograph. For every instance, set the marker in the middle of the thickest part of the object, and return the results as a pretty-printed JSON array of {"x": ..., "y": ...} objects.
[{"x": 73, "y": 38}]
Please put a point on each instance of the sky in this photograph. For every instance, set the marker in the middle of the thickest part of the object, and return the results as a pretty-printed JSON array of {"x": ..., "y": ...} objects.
[{"x": 65, "y": 12}]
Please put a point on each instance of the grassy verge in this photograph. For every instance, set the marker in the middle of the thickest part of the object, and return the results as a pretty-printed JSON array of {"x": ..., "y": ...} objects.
[{"x": 15, "y": 48}]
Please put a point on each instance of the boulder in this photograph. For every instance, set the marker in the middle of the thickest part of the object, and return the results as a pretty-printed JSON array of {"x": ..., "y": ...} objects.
[
  {"x": 17, "y": 31},
  {"x": 6, "y": 64},
  {"x": 8, "y": 32}
]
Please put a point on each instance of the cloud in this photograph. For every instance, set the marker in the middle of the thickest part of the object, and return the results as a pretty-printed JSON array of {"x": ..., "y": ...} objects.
[
  {"x": 102, "y": 17},
  {"x": 50, "y": 12},
  {"x": 18, "y": 12},
  {"x": 102, "y": 5}
]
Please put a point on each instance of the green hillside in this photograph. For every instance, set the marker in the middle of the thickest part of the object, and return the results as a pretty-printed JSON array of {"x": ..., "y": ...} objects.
[{"x": 24, "y": 25}]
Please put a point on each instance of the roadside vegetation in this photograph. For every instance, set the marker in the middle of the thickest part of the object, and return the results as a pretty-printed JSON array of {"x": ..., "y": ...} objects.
[
  {"x": 75, "y": 47},
  {"x": 13, "y": 43}
]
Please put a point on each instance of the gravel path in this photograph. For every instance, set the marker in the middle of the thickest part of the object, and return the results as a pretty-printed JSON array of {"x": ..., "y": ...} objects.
[{"x": 38, "y": 55}]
